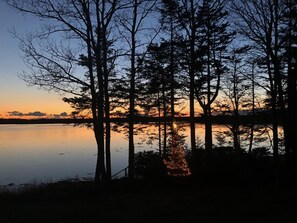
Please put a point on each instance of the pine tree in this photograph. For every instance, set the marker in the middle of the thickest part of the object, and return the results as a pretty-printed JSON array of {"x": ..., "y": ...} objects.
[
  {"x": 155, "y": 79},
  {"x": 214, "y": 38}
]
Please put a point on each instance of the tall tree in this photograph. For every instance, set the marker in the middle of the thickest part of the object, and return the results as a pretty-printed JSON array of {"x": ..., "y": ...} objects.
[
  {"x": 156, "y": 73},
  {"x": 83, "y": 29},
  {"x": 157, "y": 81},
  {"x": 235, "y": 88},
  {"x": 289, "y": 37},
  {"x": 190, "y": 11},
  {"x": 185, "y": 16},
  {"x": 132, "y": 21},
  {"x": 170, "y": 27},
  {"x": 253, "y": 96},
  {"x": 214, "y": 37},
  {"x": 259, "y": 22}
]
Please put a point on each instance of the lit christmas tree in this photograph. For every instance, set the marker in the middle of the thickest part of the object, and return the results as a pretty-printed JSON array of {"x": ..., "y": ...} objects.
[{"x": 175, "y": 162}]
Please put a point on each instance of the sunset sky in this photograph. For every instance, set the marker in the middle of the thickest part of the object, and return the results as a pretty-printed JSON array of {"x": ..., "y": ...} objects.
[
  {"x": 17, "y": 100},
  {"x": 15, "y": 95}
]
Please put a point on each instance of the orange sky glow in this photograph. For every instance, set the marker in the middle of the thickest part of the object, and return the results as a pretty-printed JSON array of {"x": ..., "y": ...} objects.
[{"x": 17, "y": 100}]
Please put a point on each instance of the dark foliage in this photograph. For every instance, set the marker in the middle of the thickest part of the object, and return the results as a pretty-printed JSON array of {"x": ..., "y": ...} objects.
[
  {"x": 147, "y": 200},
  {"x": 227, "y": 166},
  {"x": 149, "y": 164}
]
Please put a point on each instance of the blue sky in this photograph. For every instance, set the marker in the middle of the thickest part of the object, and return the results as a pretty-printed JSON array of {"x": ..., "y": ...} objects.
[{"x": 15, "y": 95}]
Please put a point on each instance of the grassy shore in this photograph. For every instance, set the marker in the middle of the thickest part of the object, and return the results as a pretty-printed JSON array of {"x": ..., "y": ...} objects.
[{"x": 166, "y": 200}]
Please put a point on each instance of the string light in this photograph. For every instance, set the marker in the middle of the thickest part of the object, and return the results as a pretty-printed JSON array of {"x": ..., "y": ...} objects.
[
  {"x": 175, "y": 162},
  {"x": 174, "y": 125}
]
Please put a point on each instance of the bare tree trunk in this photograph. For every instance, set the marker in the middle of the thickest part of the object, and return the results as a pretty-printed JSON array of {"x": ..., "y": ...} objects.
[
  {"x": 273, "y": 94},
  {"x": 131, "y": 148},
  {"x": 278, "y": 78},
  {"x": 208, "y": 125},
  {"x": 275, "y": 131},
  {"x": 253, "y": 112},
  {"x": 208, "y": 130},
  {"x": 236, "y": 135},
  {"x": 293, "y": 112},
  {"x": 291, "y": 152},
  {"x": 171, "y": 72},
  {"x": 192, "y": 75},
  {"x": 100, "y": 174},
  {"x": 159, "y": 128},
  {"x": 159, "y": 139},
  {"x": 97, "y": 103},
  {"x": 208, "y": 135},
  {"x": 134, "y": 25},
  {"x": 164, "y": 138},
  {"x": 107, "y": 137},
  {"x": 107, "y": 108},
  {"x": 132, "y": 90},
  {"x": 236, "y": 143},
  {"x": 164, "y": 114}
]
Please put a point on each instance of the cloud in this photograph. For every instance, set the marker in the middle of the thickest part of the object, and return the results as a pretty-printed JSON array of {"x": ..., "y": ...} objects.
[
  {"x": 16, "y": 113},
  {"x": 37, "y": 114},
  {"x": 21, "y": 114},
  {"x": 64, "y": 114},
  {"x": 61, "y": 115}
]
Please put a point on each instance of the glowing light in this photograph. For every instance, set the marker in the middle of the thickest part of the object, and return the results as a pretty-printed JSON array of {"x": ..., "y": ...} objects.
[
  {"x": 175, "y": 162},
  {"x": 174, "y": 125}
]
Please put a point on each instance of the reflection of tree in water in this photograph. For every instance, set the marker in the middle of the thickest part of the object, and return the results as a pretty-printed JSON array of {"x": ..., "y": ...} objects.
[
  {"x": 175, "y": 161},
  {"x": 261, "y": 137}
]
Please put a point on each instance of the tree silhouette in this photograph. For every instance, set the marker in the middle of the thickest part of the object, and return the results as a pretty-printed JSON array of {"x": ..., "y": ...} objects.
[
  {"x": 214, "y": 38},
  {"x": 137, "y": 59},
  {"x": 132, "y": 21},
  {"x": 259, "y": 22},
  {"x": 235, "y": 87},
  {"x": 172, "y": 44},
  {"x": 156, "y": 78},
  {"x": 289, "y": 38},
  {"x": 183, "y": 14},
  {"x": 83, "y": 29}
]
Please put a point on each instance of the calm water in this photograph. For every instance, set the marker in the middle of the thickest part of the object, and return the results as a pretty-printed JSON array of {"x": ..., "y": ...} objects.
[
  {"x": 43, "y": 153},
  {"x": 47, "y": 153}
]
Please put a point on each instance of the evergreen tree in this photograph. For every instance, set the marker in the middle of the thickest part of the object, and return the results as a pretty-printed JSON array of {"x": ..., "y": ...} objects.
[
  {"x": 213, "y": 36},
  {"x": 184, "y": 14},
  {"x": 171, "y": 28},
  {"x": 157, "y": 81}
]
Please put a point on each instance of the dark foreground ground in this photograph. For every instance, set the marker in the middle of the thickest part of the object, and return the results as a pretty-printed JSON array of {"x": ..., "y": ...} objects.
[{"x": 169, "y": 200}]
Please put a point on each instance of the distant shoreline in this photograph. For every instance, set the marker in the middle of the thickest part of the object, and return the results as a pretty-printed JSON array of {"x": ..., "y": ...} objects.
[{"x": 245, "y": 119}]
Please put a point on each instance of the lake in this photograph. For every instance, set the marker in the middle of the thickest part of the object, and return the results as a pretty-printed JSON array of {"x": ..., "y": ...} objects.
[
  {"x": 41, "y": 153},
  {"x": 45, "y": 153}
]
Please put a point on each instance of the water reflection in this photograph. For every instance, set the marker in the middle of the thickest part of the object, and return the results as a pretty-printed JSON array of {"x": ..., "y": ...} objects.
[{"x": 43, "y": 153}]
